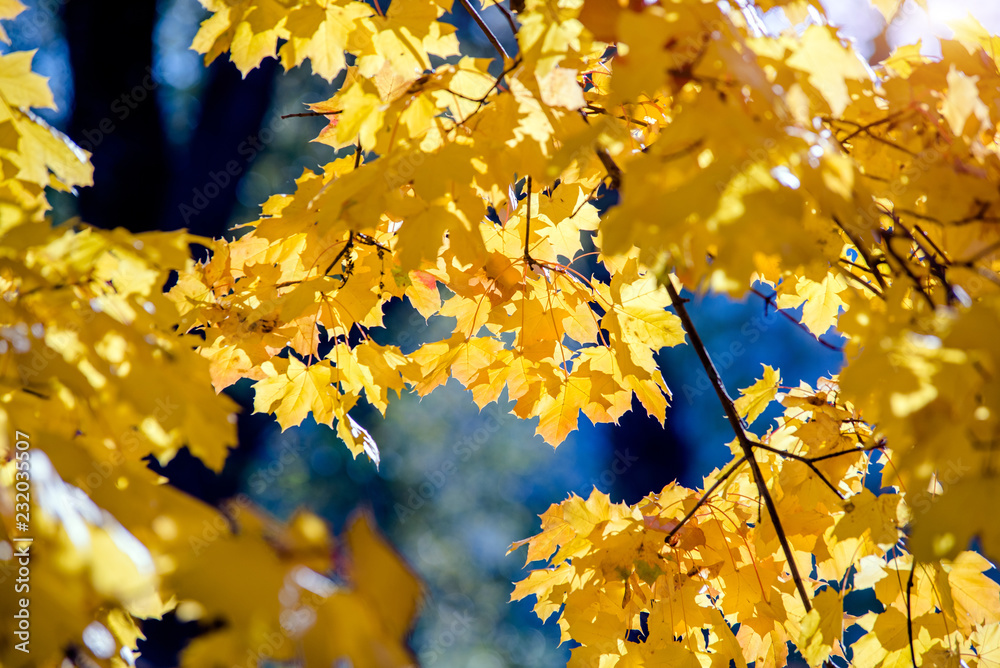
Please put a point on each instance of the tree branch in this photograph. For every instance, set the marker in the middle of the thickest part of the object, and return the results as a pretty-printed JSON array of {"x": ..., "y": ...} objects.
[
  {"x": 867, "y": 286},
  {"x": 909, "y": 617},
  {"x": 482, "y": 101},
  {"x": 741, "y": 436},
  {"x": 304, "y": 114},
  {"x": 508, "y": 16},
  {"x": 704, "y": 498},
  {"x": 906, "y": 268},
  {"x": 804, "y": 460},
  {"x": 769, "y": 299},
  {"x": 474, "y": 13},
  {"x": 863, "y": 251},
  {"x": 340, "y": 255},
  {"x": 831, "y": 455},
  {"x": 527, "y": 223}
]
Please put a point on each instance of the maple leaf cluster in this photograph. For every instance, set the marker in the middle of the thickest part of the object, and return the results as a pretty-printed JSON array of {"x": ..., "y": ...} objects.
[
  {"x": 94, "y": 380},
  {"x": 479, "y": 190},
  {"x": 866, "y": 197}
]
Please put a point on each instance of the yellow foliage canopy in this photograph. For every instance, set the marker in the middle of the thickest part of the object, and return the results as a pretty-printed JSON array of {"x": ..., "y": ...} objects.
[{"x": 867, "y": 197}]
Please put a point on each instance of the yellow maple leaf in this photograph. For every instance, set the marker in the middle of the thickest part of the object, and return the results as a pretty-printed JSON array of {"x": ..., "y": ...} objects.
[
  {"x": 829, "y": 65},
  {"x": 248, "y": 29},
  {"x": 822, "y": 627},
  {"x": 292, "y": 390},
  {"x": 559, "y": 88},
  {"x": 323, "y": 34},
  {"x": 405, "y": 36},
  {"x": 20, "y": 86},
  {"x": 357, "y": 438},
  {"x": 639, "y": 316},
  {"x": 822, "y": 301},
  {"x": 987, "y": 643},
  {"x": 754, "y": 399},
  {"x": 975, "y": 595},
  {"x": 382, "y": 577},
  {"x": 8, "y": 10},
  {"x": 963, "y": 101},
  {"x": 869, "y": 514},
  {"x": 559, "y": 413}
]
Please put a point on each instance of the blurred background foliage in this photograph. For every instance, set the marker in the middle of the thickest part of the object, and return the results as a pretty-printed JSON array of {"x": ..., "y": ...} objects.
[{"x": 456, "y": 486}]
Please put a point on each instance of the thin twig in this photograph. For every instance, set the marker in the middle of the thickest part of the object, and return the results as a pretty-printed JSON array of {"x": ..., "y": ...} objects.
[
  {"x": 978, "y": 217},
  {"x": 704, "y": 498},
  {"x": 980, "y": 254},
  {"x": 614, "y": 171},
  {"x": 601, "y": 110},
  {"x": 362, "y": 238},
  {"x": 804, "y": 460},
  {"x": 862, "y": 283},
  {"x": 906, "y": 269},
  {"x": 909, "y": 617},
  {"x": 868, "y": 126},
  {"x": 866, "y": 130},
  {"x": 855, "y": 264},
  {"x": 341, "y": 254},
  {"x": 938, "y": 268},
  {"x": 474, "y": 13},
  {"x": 482, "y": 101},
  {"x": 741, "y": 436},
  {"x": 508, "y": 16},
  {"x": 527, "y": 224},
  {"x": 314, "y": 113},
  {"x": 769, "y": 299},
  {"x": 930, "y": 241},
  {"x": 831, "y": 455},
  {"x": 863, "y": 251}
]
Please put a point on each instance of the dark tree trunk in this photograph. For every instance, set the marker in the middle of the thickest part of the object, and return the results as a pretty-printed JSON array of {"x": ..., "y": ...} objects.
[
  {"x": 140, "y": 182},
  {"x": 115, "y": 115}
]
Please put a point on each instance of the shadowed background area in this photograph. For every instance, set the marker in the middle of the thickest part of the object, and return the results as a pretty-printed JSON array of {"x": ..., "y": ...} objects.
[{"x": 176, "y": 144}]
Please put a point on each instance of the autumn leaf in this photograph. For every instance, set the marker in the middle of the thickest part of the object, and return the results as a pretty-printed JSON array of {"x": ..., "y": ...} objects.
[
  {"x": 19, "y": 85},
  {"x": 293, "y": 390},
  {"x": 754, "y": 399},
  {"x": 822, "y": 627},
  {"x": 822, "y": 302},
  {"x": 533, "y": 211}
]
